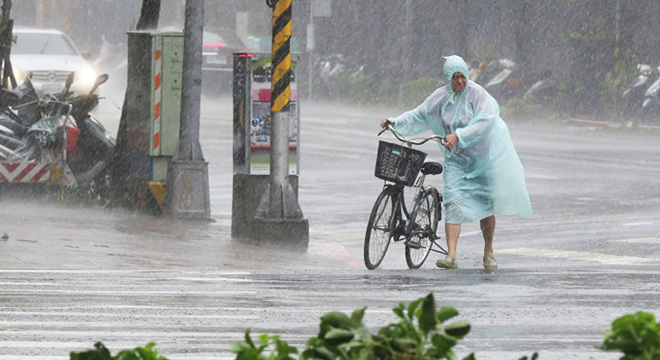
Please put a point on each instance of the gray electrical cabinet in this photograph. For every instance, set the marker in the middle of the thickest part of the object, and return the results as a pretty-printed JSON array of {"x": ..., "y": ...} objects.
[{"x": 149, "y": 131}]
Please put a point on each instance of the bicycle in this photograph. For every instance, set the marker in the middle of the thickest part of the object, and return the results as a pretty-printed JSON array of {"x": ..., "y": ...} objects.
[{"x": 390, "y": 220}]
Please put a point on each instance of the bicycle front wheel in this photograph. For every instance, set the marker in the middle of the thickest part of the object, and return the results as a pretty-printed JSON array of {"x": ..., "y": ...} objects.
[
  {"x": 426, "y": 219},
  {"x": 379, "y": 230}
]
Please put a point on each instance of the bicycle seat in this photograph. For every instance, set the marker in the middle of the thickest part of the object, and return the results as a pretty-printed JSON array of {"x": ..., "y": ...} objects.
[{"x": 431, "y": 168}]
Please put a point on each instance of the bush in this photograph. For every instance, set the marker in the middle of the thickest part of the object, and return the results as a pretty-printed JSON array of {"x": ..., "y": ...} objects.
[
  {"x": 415, "y": 92},
  {"x": 420, "y": 334},
  {"x": 637, "y": 336},
  {"x": 525, "y": 108},
  {"x": 100, "y": 352},
  {"x": 355, "y": 88}
]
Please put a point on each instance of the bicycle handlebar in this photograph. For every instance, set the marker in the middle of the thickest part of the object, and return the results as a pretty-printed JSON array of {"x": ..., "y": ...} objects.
[{"x": 410, "y": 142}]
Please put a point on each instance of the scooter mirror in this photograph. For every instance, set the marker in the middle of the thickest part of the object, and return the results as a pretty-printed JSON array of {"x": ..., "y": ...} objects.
[
  {"x": 69, "y": 81},
  {"x": 99, "y": 80}
]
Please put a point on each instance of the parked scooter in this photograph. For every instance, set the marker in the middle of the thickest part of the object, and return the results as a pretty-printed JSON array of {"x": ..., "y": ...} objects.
[
  {"x": 641, "y": 96},
  {"x": 500, "y": 77},
  {"x": 30, "y": 130},
  {"x": 651, "y": 93},
  {"x": 95, "y": 146}
]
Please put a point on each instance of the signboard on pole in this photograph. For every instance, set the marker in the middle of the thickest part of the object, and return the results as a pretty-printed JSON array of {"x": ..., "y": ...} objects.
[{"x": 260, "y": 121}]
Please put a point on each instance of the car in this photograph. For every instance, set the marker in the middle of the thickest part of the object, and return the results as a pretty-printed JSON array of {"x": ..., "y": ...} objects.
[
  {"x": 218, "y": 60},
  {"x": 216, "y": 55},
  {"x": 48, "y": 56}
]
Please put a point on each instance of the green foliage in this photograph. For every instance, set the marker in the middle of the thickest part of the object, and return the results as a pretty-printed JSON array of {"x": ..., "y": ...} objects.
[
  {"x": 420, "y": 333},
  {"x": 637, "y": 336},
  {"x": 100, "y": 352},
  {"x": 250, "y": 351},
  {"x": 533, "y": 357},
  {"x": 415, "y": 91},
  {"x": 355, "y": 88},
  {"x": 523, "y": 108}
]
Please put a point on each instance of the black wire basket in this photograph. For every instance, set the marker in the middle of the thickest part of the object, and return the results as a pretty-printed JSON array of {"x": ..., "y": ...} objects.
[{"x": 398, "y": 164}]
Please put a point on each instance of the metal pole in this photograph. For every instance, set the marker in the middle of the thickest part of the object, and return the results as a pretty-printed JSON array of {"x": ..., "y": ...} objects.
[
  {"x": 407, "y": 49},
  {"x": 187, "y": 186},
  {"x": 278, "y": 217},
  {"x": 188, "y": 147},
  {"x": 283, "y": 203},
  {"x": 311, "y": 44}
]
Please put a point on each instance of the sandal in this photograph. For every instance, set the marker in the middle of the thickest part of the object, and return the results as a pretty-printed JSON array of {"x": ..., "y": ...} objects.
[
  {"x": 447, "y": 263},
  {"x": 490, "y": 265}
]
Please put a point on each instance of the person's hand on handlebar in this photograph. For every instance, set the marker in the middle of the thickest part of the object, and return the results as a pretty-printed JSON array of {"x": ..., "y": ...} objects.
[
  {"x": 384, "y": 123},
  {"x": 450, "y": 141}
]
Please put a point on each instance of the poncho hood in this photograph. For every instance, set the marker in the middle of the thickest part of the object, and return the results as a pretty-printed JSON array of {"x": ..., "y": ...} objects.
[{"x": 454, "y": 64}]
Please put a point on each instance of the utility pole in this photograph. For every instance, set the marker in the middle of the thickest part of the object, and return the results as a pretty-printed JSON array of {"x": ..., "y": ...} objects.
[
  {"x": 407, "y": 49},
  {"x": 279, "y": 213},
  {"x": 311, "y": 44},
  {"x": 187, "y": 187}
]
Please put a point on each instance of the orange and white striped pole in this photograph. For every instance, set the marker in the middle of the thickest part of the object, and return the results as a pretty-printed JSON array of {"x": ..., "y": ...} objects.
[{"x": 158, "y": 100}]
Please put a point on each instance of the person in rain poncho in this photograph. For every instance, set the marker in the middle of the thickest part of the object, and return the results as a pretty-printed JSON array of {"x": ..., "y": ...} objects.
[{"x": 483, "y": 175}]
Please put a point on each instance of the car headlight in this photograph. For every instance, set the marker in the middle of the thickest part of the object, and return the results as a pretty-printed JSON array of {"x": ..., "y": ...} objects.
[
  {"x": 19, "y": 75},
  {"x": 85, "y": 76}
]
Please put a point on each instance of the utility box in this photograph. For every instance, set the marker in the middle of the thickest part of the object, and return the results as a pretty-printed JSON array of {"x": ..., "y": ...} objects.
[{"x": 149, "y": 129}]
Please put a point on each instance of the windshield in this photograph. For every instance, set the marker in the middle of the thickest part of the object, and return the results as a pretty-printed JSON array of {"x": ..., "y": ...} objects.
[{"x": 44, "y": 44}]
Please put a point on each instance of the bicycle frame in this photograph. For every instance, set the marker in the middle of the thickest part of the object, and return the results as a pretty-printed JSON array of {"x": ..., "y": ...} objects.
[
  {"x": 392, "y": 220},
  {"x": 403, "y": 222}
]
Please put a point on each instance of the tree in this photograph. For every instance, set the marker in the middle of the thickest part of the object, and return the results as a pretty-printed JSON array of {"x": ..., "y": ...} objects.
[
  {"x": 149, "y": 15},
  {"x": 6, "y": 26}
]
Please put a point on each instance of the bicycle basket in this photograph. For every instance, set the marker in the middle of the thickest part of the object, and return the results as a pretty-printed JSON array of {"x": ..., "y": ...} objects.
[{"x": 398, "y": 163}]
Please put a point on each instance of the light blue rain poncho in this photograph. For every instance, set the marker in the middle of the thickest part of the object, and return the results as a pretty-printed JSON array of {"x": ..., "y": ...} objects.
[{"x": 483, "y": 175}]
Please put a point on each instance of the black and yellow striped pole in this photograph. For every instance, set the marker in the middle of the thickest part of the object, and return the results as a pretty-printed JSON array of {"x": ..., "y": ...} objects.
[
  {"x": 281, "y": 56},
  {"x": 282, "y": 203}
]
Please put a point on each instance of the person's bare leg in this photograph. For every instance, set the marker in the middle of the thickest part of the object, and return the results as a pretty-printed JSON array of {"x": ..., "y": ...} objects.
[
  {"x": 488, "y": 232},
  {"x": 452, "y": 231}
]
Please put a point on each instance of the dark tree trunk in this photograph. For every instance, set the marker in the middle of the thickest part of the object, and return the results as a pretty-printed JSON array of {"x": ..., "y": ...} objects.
[
  {"x": 149, "y": 15},
  {"x": 6, "y": 25}
]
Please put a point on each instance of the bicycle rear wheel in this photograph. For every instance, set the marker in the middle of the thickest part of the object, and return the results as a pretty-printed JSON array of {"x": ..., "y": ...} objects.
[
  {"x": 426, "y": 218},
  {"x": 379, "y": 230}
]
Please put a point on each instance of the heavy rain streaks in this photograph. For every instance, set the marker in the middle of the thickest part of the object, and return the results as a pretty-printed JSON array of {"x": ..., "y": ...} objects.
[{"x": 571, "y": 79}]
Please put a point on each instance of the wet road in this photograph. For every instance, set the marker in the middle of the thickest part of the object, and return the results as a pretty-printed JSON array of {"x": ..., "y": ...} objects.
[
  {"x": 198, "y": 314},
  {"x": 590, "y": 253}
]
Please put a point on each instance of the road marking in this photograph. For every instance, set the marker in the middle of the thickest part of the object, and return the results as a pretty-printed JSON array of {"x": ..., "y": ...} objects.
[
  {"x": 89, "y": 347},
  {"x": 339, "y": 251},
  {"x": 131, "y": 272},
  {"x": 140, "y": 293},
  {"x": 645, "y": 240},
  {"x": 576, "y": 255},
  {"x": 333, "y": 154},
  {"x": 639, "y": 223},
  {"x": 581, "y": 220},
  {"x": 133, "y": 325},
  {"x": 112, "y": 346},
  {"x": 541, "y": 176}
]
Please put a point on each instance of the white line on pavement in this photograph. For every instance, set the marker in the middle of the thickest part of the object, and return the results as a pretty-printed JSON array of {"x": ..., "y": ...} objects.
[
  {"x": 129, "y": 293},
  {"x": 644, "y": 240},
  {"x": 576, "y": 255},
  {"x": 639, "y": 223}
]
